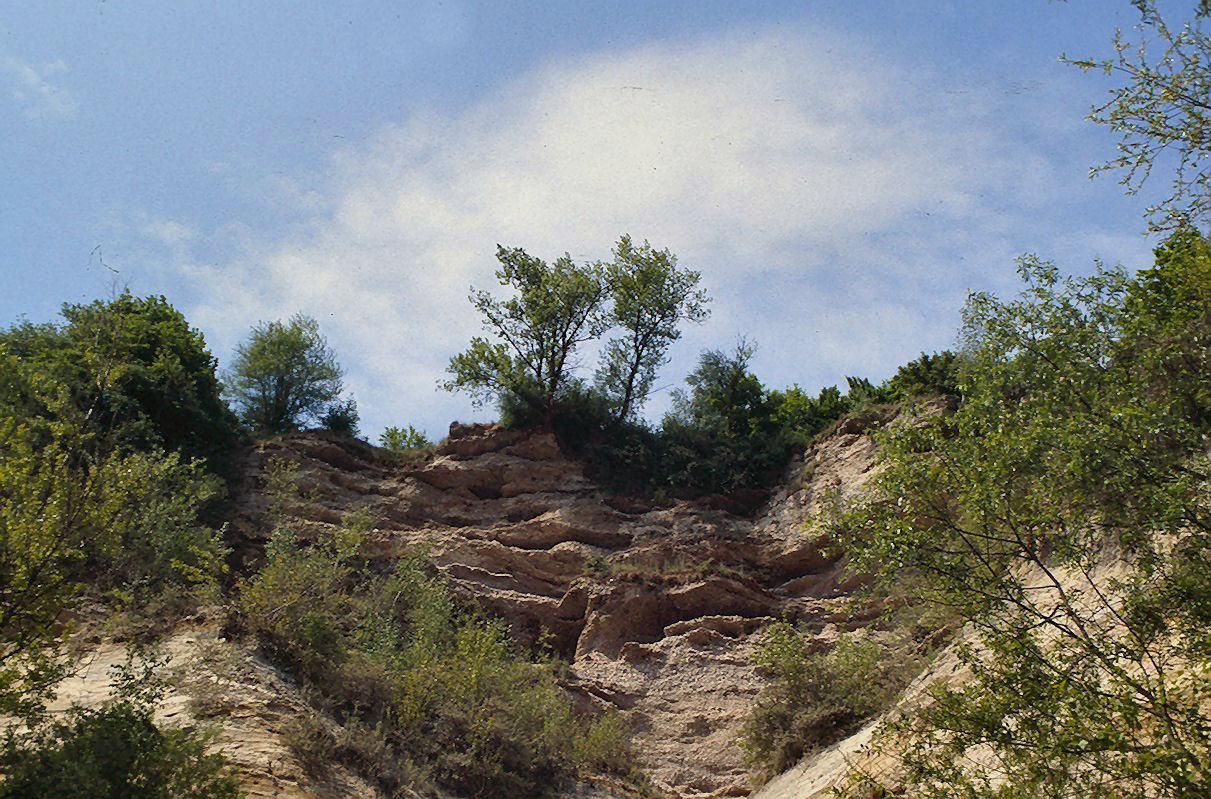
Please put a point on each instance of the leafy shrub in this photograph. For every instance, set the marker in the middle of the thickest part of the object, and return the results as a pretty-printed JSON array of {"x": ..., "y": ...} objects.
[
  {"x": 115, "y": 751},
  {"x": 399, "y": 439},
  {"x": 927, "y": 376},
  {"x": 148, "y": 537},
  {"x": 86, "y": 495},
  {"x": 818, "y": 697},
  {"x": 727, "y": 436},
  {"x": 803, "y": 416},
  {"x": 341, "y": 417}
]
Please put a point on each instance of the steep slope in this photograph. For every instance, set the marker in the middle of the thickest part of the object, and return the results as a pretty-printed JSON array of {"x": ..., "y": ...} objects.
[
  {"x": 875, "y": 750},
  {"x": 226, "y": 687},
  {"x": 657, "y": 607}
]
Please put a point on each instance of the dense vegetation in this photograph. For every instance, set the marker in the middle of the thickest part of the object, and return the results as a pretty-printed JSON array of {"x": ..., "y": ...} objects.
[
  {"x": 1063, "y": 511},
  {"x": 819, "y": 695},
  {"x": 115, "y": 751},
  {"x": 104, "y": 424},
  {"x": 110, "y": 428},
  {"x": 729, "y": 435}
]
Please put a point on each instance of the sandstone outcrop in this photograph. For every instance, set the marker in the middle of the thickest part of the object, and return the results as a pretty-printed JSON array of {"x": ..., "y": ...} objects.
[{"x": 658, "y": 607}]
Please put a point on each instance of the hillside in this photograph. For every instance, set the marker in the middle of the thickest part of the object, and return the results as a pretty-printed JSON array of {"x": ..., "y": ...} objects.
[
  {"x": 435, "y": 617},
  {"x": 655, "y": 607}
]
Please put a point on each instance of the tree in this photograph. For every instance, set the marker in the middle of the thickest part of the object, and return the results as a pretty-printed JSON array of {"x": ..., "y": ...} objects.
[
  {"x": 1063, "y": 511},
  {"x": 724, "y": 394},
  {"x": 1162, "y": 110},
  {"x": 930, "y": 375},
  {"x": 84, "y": 496},
  {"x": 724, "y": 435},
  {"x": 557, "y": 307},
  {"x": 139, "y": 368},
  {"x": 650, "y": 297},
  {"x": 284, "y": 375}
]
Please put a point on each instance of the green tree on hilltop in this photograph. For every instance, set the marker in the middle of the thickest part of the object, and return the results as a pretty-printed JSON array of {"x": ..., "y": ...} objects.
[
  {"x": 650, "y": 297},
  {"x": 138, "y": 368},
  {"x": 556, "y": 308},
  {"x": 284, "y": 375},
  {"x": 401, "y": 438}
]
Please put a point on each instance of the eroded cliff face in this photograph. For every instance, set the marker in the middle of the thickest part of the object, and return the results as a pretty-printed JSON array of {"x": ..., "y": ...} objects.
[{"x": 657, "y": 607}]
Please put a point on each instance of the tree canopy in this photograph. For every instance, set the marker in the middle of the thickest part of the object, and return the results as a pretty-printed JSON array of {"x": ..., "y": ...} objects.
[
  {"x": 1162, "y": 112},
  {"x": 1080, "y": 446},
  {"x": 556, "y": 307},
  {"x": 137, "y": 367},
  {"x": 285, "y": 375},
  {"x": 649, "y": 297}
]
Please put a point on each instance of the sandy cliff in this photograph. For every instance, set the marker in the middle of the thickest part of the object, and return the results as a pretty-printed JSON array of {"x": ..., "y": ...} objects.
[{"x": 656, "y": 606}]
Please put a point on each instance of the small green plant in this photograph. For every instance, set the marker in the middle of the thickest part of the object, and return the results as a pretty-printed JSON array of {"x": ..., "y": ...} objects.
[
  {"x": 399, "y": 439},
  {"x": 596, "y": 563}
]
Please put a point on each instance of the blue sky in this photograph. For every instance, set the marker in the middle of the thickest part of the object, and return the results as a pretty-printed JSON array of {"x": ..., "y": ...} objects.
[{"x": 841, "y": 173}]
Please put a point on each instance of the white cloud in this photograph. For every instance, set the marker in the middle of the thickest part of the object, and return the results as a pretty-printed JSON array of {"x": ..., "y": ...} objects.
[
  {"x": 169, "y": 232},
  {"x": 836, "y": 207},
  {"x": 31, "y": 88}
]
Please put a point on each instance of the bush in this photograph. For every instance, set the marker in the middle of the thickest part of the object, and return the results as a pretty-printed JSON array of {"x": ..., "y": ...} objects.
[
  {"x": 147, "y": 537},
  {"x": 399, "y": 439},
  {"x": 341, "y": 417},
  {"x": 927, "y": 376},
  {"x": 727, "y": 436},
  {"x": 115, "y": 751},
  {"x": 86, "y": 496}
]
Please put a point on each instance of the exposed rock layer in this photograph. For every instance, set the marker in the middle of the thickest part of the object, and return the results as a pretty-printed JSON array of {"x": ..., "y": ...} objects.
[{"x": 658, "y": 607}]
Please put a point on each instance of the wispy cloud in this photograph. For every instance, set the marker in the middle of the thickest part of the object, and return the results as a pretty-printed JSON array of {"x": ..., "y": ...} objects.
[
  {"x": 33, "y": 89},
  {"x": 169, "y": 232},
  {"x": 836, "y": 206}
]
